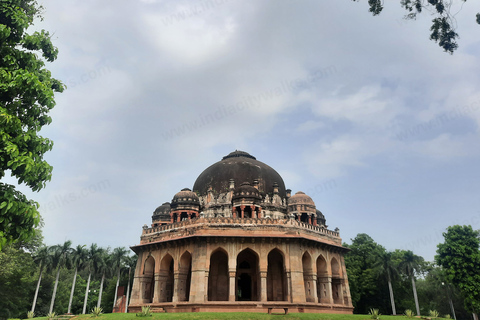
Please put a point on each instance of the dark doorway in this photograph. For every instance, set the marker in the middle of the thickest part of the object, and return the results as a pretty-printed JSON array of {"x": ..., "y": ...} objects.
[{"x": 244, "y": 287}]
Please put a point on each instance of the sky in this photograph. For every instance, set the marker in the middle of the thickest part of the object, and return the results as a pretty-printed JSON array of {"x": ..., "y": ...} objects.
[{"x": 364, "y": 114}]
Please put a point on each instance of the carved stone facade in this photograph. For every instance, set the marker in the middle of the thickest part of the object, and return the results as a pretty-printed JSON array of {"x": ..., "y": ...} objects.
[{"x": 240, "y": 242}]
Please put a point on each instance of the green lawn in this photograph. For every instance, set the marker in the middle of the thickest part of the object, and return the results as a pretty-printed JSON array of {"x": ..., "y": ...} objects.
[{"x": 232, "y": 316}]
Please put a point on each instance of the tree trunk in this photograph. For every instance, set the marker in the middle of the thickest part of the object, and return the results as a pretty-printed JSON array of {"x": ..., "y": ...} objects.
[
  {"x": 86, "y": 294},
  {"x": 116, "y": 289},
  {"x": 415, "y": 296},
  {"x": 54, "y": 290},
  {"x": 38, "y": 287},
  {"x": 128, "y": 290},
  {"x": 391, "y": 297},
  {"x": 101, "y": 290},
  {"x": 71, "y": 292}
]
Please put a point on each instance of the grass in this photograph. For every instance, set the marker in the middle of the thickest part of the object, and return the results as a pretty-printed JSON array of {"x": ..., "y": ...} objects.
[{"x": 233, "y": 316}]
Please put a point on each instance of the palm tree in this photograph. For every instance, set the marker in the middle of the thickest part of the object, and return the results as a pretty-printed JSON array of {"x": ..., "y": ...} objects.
[
  {"x": 118, "y": 258},
  {"x": 103, "y": 267},
  {"x": 43, "y": 257},
  {"x": 387, "y": 269},
  {"x": 60, "y": 255},
  {"x": 78, "y": 260},
  {"x": 94, "y": 259},
  {"x": 411, "y": 264},
  {"x": 130, "y": 262}
]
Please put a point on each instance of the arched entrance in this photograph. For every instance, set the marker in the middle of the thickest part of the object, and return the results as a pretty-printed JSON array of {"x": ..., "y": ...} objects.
[
  {"x": 323, "y": 285},
  {"x": 276, "y": 278},
  {"x": 337, "y": 283},
  {"x": 247, "y": 284},
  {"x": 148, "y": 280},
  {"x": 185, "y": 277},
  {"x": 218, "y": 280},
  {"x": 166, "y": 279},
  {"x": 308, "y": 277}
]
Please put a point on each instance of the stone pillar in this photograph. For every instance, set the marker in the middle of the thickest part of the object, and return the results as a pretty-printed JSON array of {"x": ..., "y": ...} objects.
[
  {"x": 234, "y": 212},
  {"x": 171, "y": 217},
  {"x": 176, "y": 283},
  {"x": 289, "y": 287},
  {"x": 198, "y": 289},
  {"x": 179, "y": 216},
  {"x": 309, "y": 219},
  {"x": 325, "y": 290},
  {"x": 242, "y": 208},
  {"x": 259, "y": 212},
  {"x": 231, "y": 296},
  {"x": 315, "y": 221},
  {"x": 253, "y": 212},
  {"x": 263, "y": 285},
  {"x": 314, "y": 288}
]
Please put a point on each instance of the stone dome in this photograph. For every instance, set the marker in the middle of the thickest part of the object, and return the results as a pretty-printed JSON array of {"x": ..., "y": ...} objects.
[
  {"x": 239, "y": 166},
  {"x": 245, "y": 190},
  {"x": 163, "y": 210},
  {"x": 185, "y": 196},
  {"x": 301, "y": 198}
]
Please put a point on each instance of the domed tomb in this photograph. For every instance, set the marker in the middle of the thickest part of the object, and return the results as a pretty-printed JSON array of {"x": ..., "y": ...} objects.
[{"x": 239, "y": 166}]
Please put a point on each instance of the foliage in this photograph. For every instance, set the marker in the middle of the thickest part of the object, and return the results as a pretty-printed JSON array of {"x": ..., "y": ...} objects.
[
  {"x": 17, "y": 281},
  {"x": 365, "y": 288},
  {"x": 443, "y": 24},
  {"x": 51, "y": 315},
  {"x": 96, "y": 312},
  {"x": 26, "y": 96},
  {"x": 30, "y": 315},
  {"x": 459, "y": 256},
  {"x": 433, "y": 314},
  {"x": 145, "y": 312},
  {"x": 374, "y": 314},
  {"x": 409, "y": 313}
]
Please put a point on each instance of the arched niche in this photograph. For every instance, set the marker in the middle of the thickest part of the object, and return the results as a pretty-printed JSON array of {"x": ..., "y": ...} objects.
[
  {"x": 247, "y": 286},
  {"x": 276, "y": 277},
  {"x": 218, "y": 279}
]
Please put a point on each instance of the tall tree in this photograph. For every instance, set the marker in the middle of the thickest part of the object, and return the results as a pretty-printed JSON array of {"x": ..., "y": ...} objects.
[
  {"x": 78, "y": 260},
  {"x": 44, "y": 259},
  {"x": 118, "y": 258},
  {"x": 388, "y": 269},
  {"x": 59, "y": 255},
  {"x": 92, "y": 265},
  {"x": 443, "y": 22},
  {"x": 104, "y": 267},
  {"x": 26, "y": 96},
  {"x": 130, "y": 262},
  {"x": 410, "y": 265},
  {"x": 459, "y": 256},
  {"x": 360, "y": 262}
]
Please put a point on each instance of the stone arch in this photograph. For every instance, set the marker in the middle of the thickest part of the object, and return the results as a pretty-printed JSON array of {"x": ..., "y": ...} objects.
[
  {"x": 166, "y": 279},
  {"x": 308, "y": 277},
  {"x": 148, "y": 279},
  {"x": 323, "y": 283},
  {"x": 218, "y": 279},
  {"x": 337, "y": 282},
  {"x": 247, "y": 285},
  {"x": 335, "y": 267},
  {"x": 184, "y": 277},
  {"x": 276, "y": 276}
]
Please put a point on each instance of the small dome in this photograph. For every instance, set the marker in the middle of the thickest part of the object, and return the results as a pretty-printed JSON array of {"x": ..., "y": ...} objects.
[
  {"x": 301, "y": 198},
  {"x": 164, "y": 209},
  {"x": 320, "y": 215},
  {"x": 185, "y": 196},
  {"x": 246, "y": 191}
]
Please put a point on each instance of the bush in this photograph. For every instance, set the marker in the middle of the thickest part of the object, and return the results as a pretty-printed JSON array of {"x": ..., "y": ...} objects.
[
  {"x": 433, "y": 314},
  {"x": 145, "y": 312},
  {"x": 96, "y": 312},
  {"x": 374, "y": 314},
  {"x": 409, "y": 313},
  {"x": 30, "y": 314}
]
